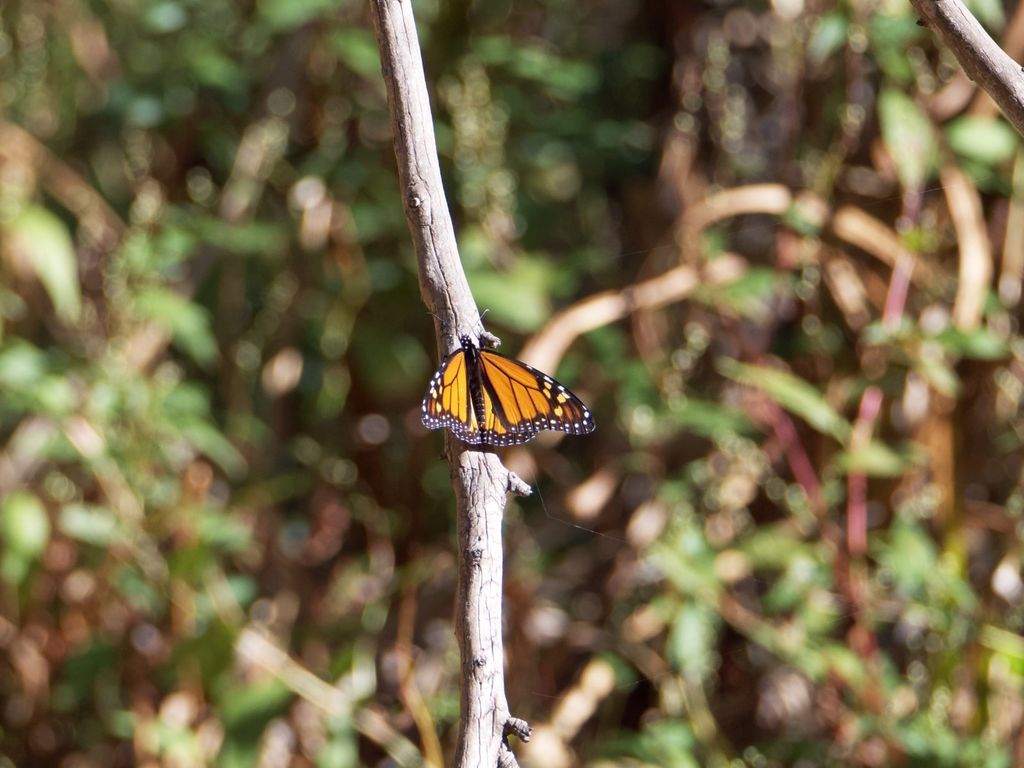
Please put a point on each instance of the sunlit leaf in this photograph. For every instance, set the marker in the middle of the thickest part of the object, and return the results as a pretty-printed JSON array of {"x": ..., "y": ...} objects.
[
  {"x": 842, "y": 661},
  {"x": 877, "y": 459},
  {"x": 1010, "y": 644},
  {"x": 792, "y": 393},
  {"x": 939, "y": 373},
  {"x": 213, "y": 444},
  {"x": 668, "y": 742},
  {"x": 687, "y": 562},
  {"x": 165, "y": 17},
  {"x": 976, "y": 344},
  {"x": 41, "y": 242},
  {"x": 564, "y": 78},
  {"x": 25, "y": 529},
  {"x": 245, "y": 713},
  {"x": 709, "y": 419},
  {"x": 55, "y": 396},
  {"x": 25, "y": 524},
  {"x": 909, "y": 136},
  {"x": 247, "y": 238},
  {"x": 987, "y": 140},
  {"x": 750, "y": 295},
  {"x": 800, "y": 575},
  {"x": 775, "y": 547},
  {"x": 90, "y": 523},
  {"x": 22, "y": 365},
  {"x": 909, "y": 556},
  {"x": 691, "y": 639},
  {"x": 829, "y": 35},
  {"x": 188, "y": 323}
]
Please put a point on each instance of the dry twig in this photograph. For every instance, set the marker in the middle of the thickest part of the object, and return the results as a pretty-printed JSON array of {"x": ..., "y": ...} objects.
[
  {"x": 980, "y": 56},
  {"x": 481, "y": 482}
]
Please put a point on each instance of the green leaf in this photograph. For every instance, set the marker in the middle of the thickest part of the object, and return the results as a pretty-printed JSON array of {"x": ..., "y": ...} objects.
[
  {"x": 165, "y": 17},
  {"x": 283, "y": 15},
  {"x": 22, "y": 366},
  {"x": 245, "y": 713},
  {"x": 750, "y": 295},
  {"x": 81, "y": 672},
  {"x": 218, "y": 530},
  {"x": 518, "y": 298},
  {"x": 26, "y": 530},
  {"x": 691, "y": 640},
  {"x": 983, "y": 139},
  {"x": 256, "y": 238},
  {"x": 90, "y": 523},
  {"x": 55, "y": 395},
  {"x": 775, "y": 547},
  {"x": 989, "y": 12},
  {"x": 560, "y": 77},
  {"x": 25, "y": 524},
  {"x": 1001, "y": 641},
  {"x": 357, "y": 49},
  {"x": 140, "y": 593},
  {"x": 213, "y": 444},
  {"x": 668, "y": 742},
  {"x": 709, "y": 419},
  {"x": 792, "y": 393},
  {"x": 939, "y": 373},
  {"x": 687, "y": 562},
  {"x": 910, "y": 557},
  {"x": 42, "y": 241},
  {"x": 828, "y": 36},
  {"x": 976, "y": 344},
  {"x": 800, "y": 576},
  {"x": 188, "y": 323},
  {"x": 843, "y": 662},
  {"x": 890, "y": 33},
  {"x": 212, "y": 67},
  {"x": 876, "y": 459},
  {"x": 909, "y": 136}
]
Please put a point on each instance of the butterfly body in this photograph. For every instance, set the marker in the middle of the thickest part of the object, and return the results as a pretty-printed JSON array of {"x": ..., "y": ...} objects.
[{"x": 489, "y": 399}]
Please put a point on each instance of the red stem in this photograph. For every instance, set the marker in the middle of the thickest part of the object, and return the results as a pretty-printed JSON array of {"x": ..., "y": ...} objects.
[{"x": 857, "y": 482}]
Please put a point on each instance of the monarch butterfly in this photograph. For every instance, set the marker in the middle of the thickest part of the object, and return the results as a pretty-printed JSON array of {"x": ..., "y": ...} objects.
[{"x": 484, "y": 397}]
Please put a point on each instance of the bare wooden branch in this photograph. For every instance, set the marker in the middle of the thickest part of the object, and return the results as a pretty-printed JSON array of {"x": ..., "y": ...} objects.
[
  {"x": 979, "y": 55},
  {"x": 482, "y": 483}
]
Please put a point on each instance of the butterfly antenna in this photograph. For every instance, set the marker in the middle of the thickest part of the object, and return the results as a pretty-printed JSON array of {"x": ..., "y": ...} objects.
[
  {"x": 570, "y": 523},
  {"x": 439, "y": 320}
]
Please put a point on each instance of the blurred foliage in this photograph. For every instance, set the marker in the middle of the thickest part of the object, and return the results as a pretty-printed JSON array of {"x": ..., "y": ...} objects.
[{"x": 225, "y": 539}]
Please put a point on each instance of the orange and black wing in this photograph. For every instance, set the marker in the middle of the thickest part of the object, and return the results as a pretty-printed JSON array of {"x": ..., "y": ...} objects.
[
  {"x": 520, "y": 401},
  {"x": 448, "y": 403},
  {"x": 484, "y": 397}
]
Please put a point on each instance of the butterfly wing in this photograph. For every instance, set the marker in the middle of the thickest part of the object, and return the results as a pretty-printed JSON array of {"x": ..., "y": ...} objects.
[
  {"x": 447, "y": 402},
  {"x": 522, "y": 401},
  {"x": 496, "y": 430},
  {"x": 516, "y": 400}
]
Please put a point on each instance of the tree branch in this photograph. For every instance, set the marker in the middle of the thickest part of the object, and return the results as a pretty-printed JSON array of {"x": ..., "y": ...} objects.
[
  {"x": 979, "y": 55},
  {"x": 482, "y": 483}
]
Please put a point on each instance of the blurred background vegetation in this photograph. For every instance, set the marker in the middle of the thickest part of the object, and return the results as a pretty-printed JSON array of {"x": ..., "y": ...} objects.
[{"x": 225, "y": 539}]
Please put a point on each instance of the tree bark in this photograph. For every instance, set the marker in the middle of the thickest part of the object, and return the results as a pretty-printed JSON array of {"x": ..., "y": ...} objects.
[{"x": 481, "y": 482}]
